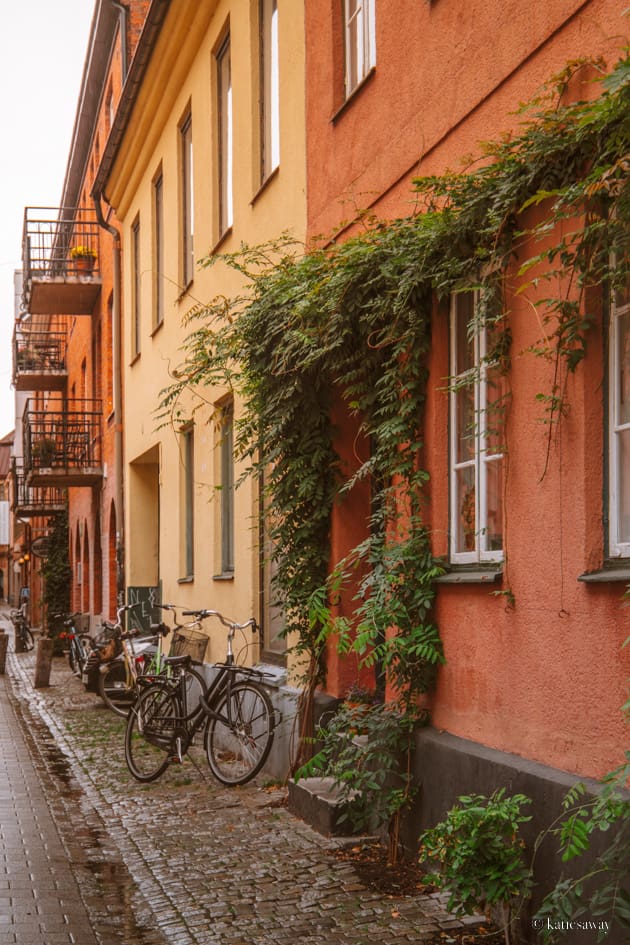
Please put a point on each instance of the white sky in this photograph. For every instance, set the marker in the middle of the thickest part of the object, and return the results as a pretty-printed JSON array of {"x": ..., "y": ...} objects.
[{"x": 42, "y": 50}]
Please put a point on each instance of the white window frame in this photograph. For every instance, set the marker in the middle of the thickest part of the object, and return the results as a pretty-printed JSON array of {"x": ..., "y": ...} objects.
[
  {"x": 225, "y": 136},
  {"x": 618, "y": 548},
  {"x": 482, "y": 457},
  {"x": 359, "y": 20},
  {"x": 269, "y": 88}
]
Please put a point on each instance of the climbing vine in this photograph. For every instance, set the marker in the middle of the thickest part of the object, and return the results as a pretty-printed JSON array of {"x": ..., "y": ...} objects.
[{"x": 349, "y": 323}]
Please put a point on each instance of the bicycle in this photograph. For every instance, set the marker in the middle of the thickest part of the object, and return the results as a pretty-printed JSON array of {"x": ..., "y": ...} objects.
[
  {"x": 24, "y": 640},
  {"x": 120, "y": 664},
  {"x": 79, "y": 644},
  {"x": 234, "y": 710},
  {"x": 118, "y": 678}
]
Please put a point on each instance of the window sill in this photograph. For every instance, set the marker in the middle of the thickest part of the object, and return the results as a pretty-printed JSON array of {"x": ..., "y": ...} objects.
[
  {"x": 186, "y": 580},
  {"x": 222, "y": 239},
  {"x": 224, "y": 576},
  {"x": 182, "y": 295},
  {"x": 353, "y": 94},
  {"x": 611, "y": 573},
  {"x": 156, "y": 328},
  {"x": 474, "y": 575},
  {"x": 263, "y": 187}
]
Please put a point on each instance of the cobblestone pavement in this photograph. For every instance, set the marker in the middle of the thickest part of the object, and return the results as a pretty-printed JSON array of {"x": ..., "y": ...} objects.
[{"x": 185, "y": 861}]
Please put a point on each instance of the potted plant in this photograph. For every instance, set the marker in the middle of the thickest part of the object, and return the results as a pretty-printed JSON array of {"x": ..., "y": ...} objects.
[
  {"x": 44, "y": 451},
  {"x": 25, "y": 358},
  {"x": 83, "y": 258}
]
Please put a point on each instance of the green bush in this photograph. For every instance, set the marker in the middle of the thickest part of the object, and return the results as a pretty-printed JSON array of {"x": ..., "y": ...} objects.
[
  {"x": 366, "y": 750},
  {"x": 480, "y": 854}
]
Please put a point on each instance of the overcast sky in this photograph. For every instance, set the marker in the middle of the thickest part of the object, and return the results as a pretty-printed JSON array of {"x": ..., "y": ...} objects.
[{"x": 42, "y": 51}]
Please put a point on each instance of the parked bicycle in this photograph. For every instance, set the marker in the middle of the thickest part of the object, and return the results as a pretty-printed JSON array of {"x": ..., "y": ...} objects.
[
  {"x": 132, "y": 658},
  {"x": 79, "y": 644},
  {"x": 23, "y": 636},
  {"x": 121, "y": 662},
  {"x": 234, "y": 711}
]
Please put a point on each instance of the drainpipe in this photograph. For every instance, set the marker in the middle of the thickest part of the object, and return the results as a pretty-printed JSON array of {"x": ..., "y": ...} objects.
[
  {"x": 123, "y": 16},
  {"x": 117, "y": 385}
]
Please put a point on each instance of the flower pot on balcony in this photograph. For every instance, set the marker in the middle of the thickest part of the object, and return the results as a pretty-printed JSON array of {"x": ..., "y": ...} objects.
[
  {"x": 43, "y": 452},
  {"x": 83, "y": 258}
]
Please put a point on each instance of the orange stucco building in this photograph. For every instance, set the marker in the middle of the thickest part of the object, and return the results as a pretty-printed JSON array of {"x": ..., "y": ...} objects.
[{"x": 397, "y": 91}]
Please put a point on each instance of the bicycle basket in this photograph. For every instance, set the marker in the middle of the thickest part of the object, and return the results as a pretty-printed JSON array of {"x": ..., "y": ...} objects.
[{"x": 189, "y": 643}]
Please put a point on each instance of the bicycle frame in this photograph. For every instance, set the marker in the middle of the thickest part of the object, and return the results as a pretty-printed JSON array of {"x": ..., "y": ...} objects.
[{"x": 228, "y": 673}]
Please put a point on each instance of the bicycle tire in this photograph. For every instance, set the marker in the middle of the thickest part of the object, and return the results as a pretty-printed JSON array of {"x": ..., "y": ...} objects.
[
  {"x": 115, "y": 689},
  {"x": 237, "y": 752},
  {"x": 149, "y": 732},
  {"x": 74, "y": 659},
  {"x": 28, "y": 641}
]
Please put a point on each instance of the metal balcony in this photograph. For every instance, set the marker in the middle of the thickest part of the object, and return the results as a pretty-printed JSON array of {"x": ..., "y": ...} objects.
[
  {"x": 39, "y": 360},
  {"x": 62, "y": 443},
  {"x": 60, "y": 261},
  {"x": 35, "y": 501}
]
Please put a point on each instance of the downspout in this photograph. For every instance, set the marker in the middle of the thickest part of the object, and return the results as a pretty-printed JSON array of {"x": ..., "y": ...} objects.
[
  {"x": 117, "y": 390},
  {"x": 123, "y": 16}
]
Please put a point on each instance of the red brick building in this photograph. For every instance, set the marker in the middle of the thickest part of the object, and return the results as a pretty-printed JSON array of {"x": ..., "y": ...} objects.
[{"x": 71, "y": 324}]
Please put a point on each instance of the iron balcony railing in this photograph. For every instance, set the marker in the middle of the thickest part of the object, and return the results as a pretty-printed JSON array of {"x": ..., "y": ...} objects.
[
  {"x": 32, "y": 501},
  {"x": 39, "y": 360},
  {"x": 62, "y": 443},
  {"x": 60, "y": 260}
]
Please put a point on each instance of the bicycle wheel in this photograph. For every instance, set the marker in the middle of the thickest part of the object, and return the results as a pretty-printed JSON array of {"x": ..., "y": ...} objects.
[
  {"x": 150, "y": 731},
  {"x": 117, "y": 691},
  {"x": 238, "y": 741},
  {"x": 27, "y": 639},
  {"x": 74, "y": 658}
]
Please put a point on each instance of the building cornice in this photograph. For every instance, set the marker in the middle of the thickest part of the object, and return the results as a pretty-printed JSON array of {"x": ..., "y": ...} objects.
[{"x": 173, "y": 31}]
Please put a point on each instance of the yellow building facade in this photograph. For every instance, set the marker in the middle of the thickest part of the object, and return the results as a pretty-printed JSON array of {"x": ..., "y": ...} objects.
[{"x": 206, "y": 152}]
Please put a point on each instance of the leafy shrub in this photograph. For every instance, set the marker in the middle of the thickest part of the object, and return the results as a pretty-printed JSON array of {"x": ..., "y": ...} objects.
[
  {"x": 366, "y": 750},
  {"x": 480, "y": 853}
]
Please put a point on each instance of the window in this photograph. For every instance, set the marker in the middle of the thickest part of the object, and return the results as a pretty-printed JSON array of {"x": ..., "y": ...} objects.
[
  {"x": 359, "y": 41},
  {"x": 188, "y": 502},
  {"x": 187, "y": 201},
  {"x": 619, "y": 409},
  {"x": 158, "y": 251},
  {"x": 476, "y": 412},
  {"x": 270, "y": 88},
  {"x": 227, "y": 488},
  {"x": 135, "y": 288},
  {"x": 225, "y": 163}
]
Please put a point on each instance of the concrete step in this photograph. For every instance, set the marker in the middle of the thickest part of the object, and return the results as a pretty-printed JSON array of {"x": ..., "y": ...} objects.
[{"x": 318, "y": 802}]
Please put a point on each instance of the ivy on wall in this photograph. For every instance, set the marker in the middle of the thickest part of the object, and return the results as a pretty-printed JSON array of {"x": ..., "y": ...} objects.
[{"x": 350, "y": 322}]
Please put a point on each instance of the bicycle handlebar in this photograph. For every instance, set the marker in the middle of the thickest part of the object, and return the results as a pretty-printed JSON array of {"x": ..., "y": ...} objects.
[{"x": 231, "y": 624}]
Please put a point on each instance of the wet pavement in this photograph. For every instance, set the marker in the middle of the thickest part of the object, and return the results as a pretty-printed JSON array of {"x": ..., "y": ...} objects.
[{"x": 91, "y": 856}]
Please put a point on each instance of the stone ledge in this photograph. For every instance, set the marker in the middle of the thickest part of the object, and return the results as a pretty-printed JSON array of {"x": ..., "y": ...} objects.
[{"x": 317, "y": 801}]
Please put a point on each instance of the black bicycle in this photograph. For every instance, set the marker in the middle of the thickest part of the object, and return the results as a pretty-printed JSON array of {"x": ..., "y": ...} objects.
[
  {"x": 79, "y": 644},
  {"x": 234, "y": 711},
  {"x": 24, "y": 639}
]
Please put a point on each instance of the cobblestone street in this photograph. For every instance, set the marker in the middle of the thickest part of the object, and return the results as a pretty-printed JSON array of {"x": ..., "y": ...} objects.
[{"x": 185, "y": 861}]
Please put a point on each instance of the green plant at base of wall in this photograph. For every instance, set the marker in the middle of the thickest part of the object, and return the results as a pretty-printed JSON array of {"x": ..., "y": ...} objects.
[
  {"x": 480, "y": 854},
  {"x": 366, "y": 751}
]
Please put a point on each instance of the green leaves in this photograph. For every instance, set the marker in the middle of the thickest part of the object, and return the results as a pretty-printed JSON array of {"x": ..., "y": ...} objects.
[
  {"x": 479, "y": 852},
  {"x": 365, "y": 749}
]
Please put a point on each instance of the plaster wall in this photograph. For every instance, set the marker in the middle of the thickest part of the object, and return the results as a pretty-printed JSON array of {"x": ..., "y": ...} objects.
[
  {"x": 544, "y": 679},
  {"x": 181, "y": 78}
]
